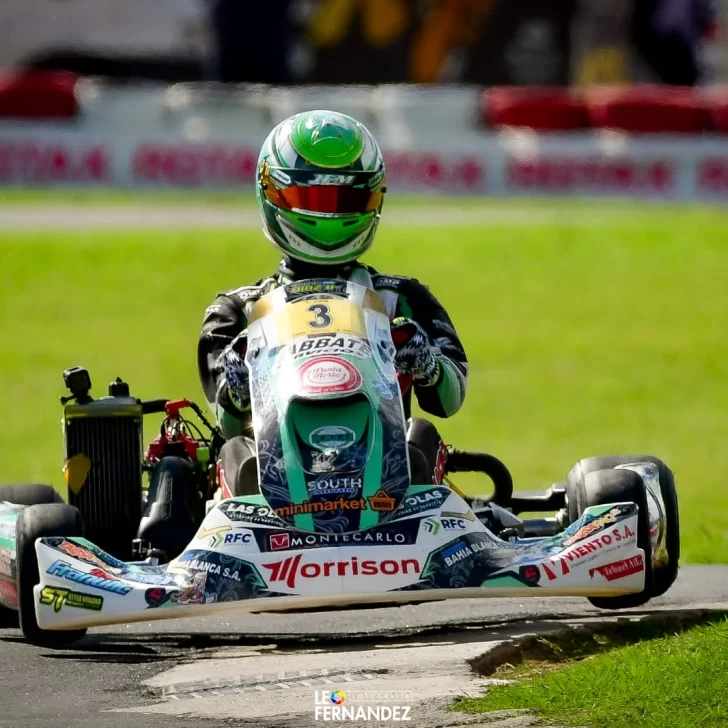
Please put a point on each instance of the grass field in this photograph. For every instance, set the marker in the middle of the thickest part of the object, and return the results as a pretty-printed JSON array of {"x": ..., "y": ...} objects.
[
  {"x": 670, "y": 682},
  {"x": 601, "y": 331}
]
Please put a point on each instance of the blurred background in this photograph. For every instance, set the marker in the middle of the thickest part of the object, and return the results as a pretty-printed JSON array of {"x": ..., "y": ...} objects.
[
  {"x": 557, "y": 174},
  {"x": 466, "y": 96},
  {"x": 549, "y": 42}
]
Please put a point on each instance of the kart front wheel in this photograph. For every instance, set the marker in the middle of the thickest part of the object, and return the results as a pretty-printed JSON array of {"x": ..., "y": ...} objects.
[
  {"x": 600, "y": 488},
  {"x": 664, "y": 574},
  {"x": 41, "y": 521}
]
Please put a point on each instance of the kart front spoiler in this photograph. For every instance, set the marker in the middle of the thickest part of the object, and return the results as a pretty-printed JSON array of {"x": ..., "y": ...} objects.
[{"x": 245, "y": 566}]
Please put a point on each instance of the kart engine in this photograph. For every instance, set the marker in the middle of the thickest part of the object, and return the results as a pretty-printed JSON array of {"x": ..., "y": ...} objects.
[{"x": 103, "y": 460}]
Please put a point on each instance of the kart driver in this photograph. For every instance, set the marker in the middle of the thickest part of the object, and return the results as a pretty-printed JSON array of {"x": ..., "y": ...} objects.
[{"x": 320, "y": 189}]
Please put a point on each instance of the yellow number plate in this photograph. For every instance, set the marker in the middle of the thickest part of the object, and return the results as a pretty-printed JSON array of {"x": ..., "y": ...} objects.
[{"x": 320, "y": 316}]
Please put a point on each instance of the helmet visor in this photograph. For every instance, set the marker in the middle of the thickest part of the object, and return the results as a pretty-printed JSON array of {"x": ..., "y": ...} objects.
[
  {"x": 303, "y": 191},
  {"x": 325, "y": 199}
]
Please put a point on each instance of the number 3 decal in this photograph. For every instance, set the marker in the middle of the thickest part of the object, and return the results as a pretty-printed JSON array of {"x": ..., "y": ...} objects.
[{"x": 322, "y": 317}]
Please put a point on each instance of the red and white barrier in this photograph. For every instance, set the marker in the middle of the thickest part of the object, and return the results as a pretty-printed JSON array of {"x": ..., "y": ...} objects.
[{"x": 151, "y": 138}]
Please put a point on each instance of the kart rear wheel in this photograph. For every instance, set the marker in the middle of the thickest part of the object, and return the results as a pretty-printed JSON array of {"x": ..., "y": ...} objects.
[
  {"x": 602, "y": 487},
  {"x": 31, "y": 494},
  {"x": 24, "y": 495},
  {"x": 174, "y": 509},
  {"x": 665, "y": 576},
  {"x": 40, "y": 521}
]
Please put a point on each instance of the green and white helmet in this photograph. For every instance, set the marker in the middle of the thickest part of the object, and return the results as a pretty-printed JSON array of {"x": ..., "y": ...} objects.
[{"x": 320, "y": 187}]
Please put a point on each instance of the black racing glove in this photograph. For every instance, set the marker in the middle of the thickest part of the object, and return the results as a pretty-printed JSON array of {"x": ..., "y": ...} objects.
[
  {"x": 236, "y": 373},
  {"x": 415, "y": 355}
]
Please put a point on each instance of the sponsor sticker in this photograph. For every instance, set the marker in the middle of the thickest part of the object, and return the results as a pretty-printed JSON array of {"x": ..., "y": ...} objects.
[
  {"x": 158, "y": 597},
  {"x": 334, "y": 486},
  {"x": 329, "y": 287},
  {"x": 279, "y": 541},
  {"x": 333, "y": 345},
  {"x": 605, "y": 519},
  {"x": 224, "y": 535},
  {"x": 261, "y": 515},
  {"x": 384, "y": 282},
  {"x": 323, "y": 462},
  {"x": 290, "y": 570},
  {"x": 462, "y": 550},
  {"x": 530, "y": 574},
  {"x": 332, "y": 437},
  {"x": 381, "y": 501},
  {"x": 372, "y": 537},
  {"x": 215, "y": 534},
  {"x": 60, "y": 598},
  {"x": 620, "y": 569},
  {"x": 426, "y": 500},
  {"x": 431, "y": 525},
  {"x": 329, "y": 375},
  {"x": 332, "y": 179},
  {"x": 195, "y": 593},
  {"x": 237, "y": 537},
  {"x": 583, "y": 553},
  {"x": 451, "y": 523},
  {"x": 84, "y": 554},
  {"x": 100, "y": 580},
  {"x": 191, "y": 561},
  {"x": 340, "y": 504}
]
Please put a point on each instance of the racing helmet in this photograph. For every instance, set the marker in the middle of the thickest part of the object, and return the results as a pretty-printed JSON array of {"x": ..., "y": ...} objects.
[{"x": 320, "y": 187}]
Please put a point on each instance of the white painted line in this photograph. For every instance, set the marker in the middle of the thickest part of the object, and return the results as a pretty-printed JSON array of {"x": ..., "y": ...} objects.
[{"x": 171, "y": 216}]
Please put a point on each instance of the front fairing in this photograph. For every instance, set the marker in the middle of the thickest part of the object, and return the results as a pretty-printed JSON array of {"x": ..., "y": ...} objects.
[
  {"x": 327, "y": 411},
  {"x": 244, "y": 557}
]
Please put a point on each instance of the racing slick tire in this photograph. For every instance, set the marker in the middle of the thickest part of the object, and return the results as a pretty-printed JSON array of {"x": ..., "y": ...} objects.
[
  {"x": 41, "y": 521},
  {"x": 174, "y": 509},
  {"x": 24, "y": 495},
  {"x": 601, "y": 487},
  {"x": 664, "y": 576},
  {"x": 31, "y": 494}
]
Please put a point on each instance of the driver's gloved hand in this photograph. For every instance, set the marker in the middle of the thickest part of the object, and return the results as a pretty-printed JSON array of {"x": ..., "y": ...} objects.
[
  {"x": 414, "y": 355},
  {"x": 236, "y": 373}
]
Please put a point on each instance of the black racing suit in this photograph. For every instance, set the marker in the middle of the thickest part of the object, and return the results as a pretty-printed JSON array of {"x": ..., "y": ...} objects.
[{"x": 406, "y": 297}]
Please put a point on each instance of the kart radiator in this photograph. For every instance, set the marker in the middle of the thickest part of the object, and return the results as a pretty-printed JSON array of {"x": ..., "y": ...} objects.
[{"x": 108, "y": 432}]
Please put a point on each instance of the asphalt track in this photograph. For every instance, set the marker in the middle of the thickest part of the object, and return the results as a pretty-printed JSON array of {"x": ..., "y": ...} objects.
[{"x": 89, "y": 684}]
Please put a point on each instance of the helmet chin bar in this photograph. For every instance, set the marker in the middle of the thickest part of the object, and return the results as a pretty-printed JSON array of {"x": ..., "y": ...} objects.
[{"x": 295, "y": 246}]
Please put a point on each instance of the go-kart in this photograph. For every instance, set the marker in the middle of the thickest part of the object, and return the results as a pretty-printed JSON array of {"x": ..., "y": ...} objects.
[{"x": 337, "y": 520}]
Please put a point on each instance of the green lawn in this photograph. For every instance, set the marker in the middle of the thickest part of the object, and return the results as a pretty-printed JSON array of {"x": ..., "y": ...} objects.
[
  {"x": 604, "y": 332},
  {"x": 671, "y": 682}
]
